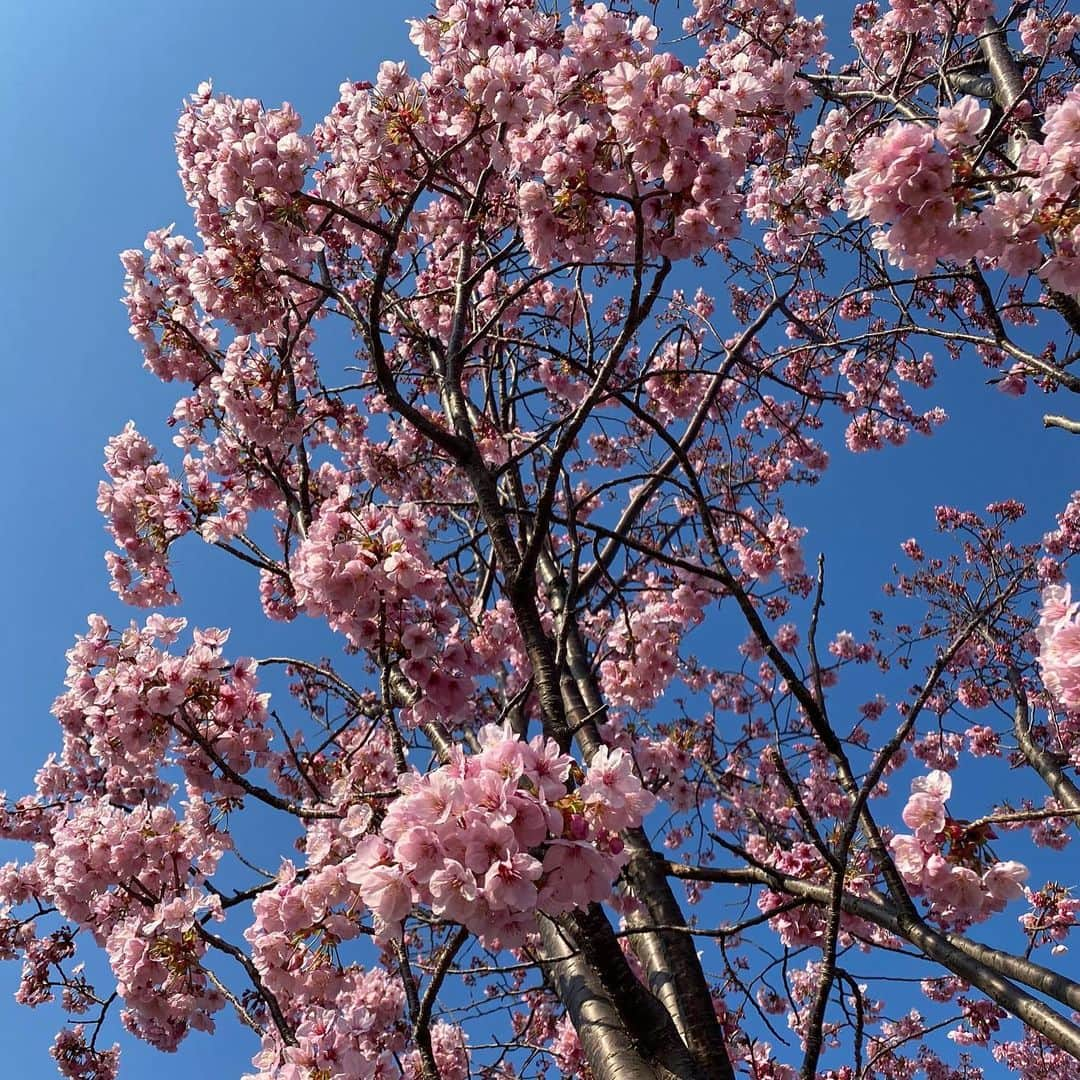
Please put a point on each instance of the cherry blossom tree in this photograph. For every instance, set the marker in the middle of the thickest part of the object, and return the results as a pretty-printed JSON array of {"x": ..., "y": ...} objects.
[{"x": 504, "y": 371}]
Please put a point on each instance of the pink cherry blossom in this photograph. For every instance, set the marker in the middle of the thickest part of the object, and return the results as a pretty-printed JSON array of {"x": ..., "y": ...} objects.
[{"x": 1059, "y": 646}]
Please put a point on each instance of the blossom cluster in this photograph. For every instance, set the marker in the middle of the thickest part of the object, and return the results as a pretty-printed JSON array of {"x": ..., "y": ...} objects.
[
  {"x": 366, "y": 570},
  {"x": 643, "y": 645},
  {"x": 76, "y": 1059},
  {"x": 915, "y": 182},
  {"x": 776, "y": 548},
  {"x": 353, "y": 1030},
  {"x": 904, "y": 177},
  {"x": 590, "y": 118},
  {"x": 145, "y": 510},
  {"x": 943, "y": 859},
  {"x": 881, "y": 414},
  {"x": 491, "y": 838},
  {"x": 357, "y": 565},
  {"x": 1058, "y": 635},
  {"x": 241, "y": 167},
  {"x": 97, "y": 845},
  {"x": 133, "y": 879},
  {"x": 128, "y": 700},
  {"x": 1055, "y": 912}
]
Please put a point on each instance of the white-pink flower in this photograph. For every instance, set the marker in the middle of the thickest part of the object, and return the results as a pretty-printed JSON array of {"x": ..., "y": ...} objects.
[
  {"x": 961, "y": 893},
  {"x": 1004, "y": 881},
  {"x": 453, "y": 891},
  {"x": 908, "y": 855},
  {"x": 960, "y": 124},
  {"x": 937, "y": 783},
  {"x": 1058, "y": 635},
  {"x": 925, "y": 814},
  {"x": 612, "y": 792},
  {"x": 511, "y": 882}
]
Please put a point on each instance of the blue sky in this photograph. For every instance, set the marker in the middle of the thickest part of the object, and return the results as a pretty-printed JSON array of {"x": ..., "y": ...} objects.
[{"x": 90, "y": 94}]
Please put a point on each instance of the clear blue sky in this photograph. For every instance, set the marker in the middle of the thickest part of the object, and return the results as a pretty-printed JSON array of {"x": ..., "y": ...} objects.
[{"x": 90, "y": 95}]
